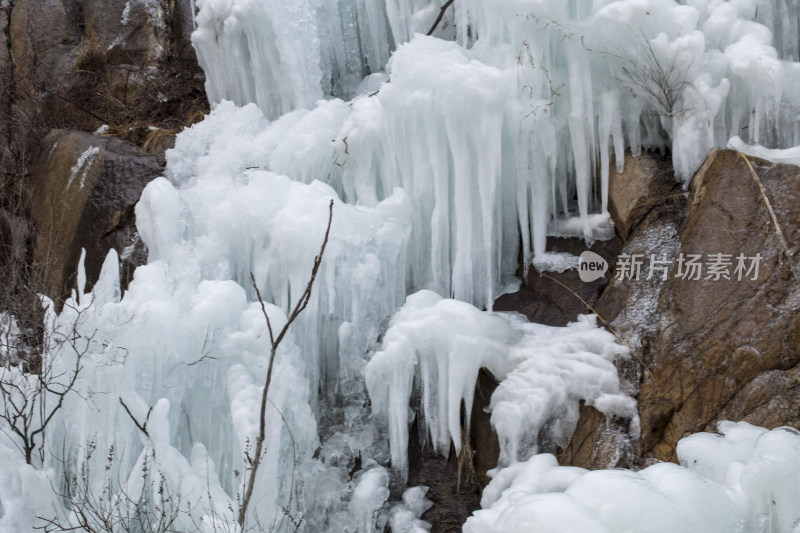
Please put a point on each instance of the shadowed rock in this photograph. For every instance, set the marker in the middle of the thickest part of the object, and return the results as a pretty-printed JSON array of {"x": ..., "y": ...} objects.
[{"x": 86, "y": 187}]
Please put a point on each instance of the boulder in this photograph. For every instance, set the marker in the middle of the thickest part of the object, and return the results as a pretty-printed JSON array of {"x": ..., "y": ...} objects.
[
  {"x": 719, "y": 339},
  {"x": 644, "y": 185},
  {"x": 707, "y": 349},
  {"x": 125, "y": 65},
  {"x": 703, "y": 350},
  {"x": 86, "y": 187}
]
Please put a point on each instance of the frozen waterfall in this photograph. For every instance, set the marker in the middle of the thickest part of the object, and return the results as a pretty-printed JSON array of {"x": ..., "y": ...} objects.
[{"x": 447, "y": 157}]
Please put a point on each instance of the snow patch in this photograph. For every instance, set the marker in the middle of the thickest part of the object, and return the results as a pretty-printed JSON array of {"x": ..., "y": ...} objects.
[{"x": 82, "y": 166}]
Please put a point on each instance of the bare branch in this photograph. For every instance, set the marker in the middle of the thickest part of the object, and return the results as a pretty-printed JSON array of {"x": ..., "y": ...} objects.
[
  {"x": 439, "y": 18},
  {"x": 155, "y": 509},
  {"x": 301, "y": 304},
  {"x": 142, "y": 427},
  {"x": 263, "y": 309},
  {"x": 24, "y": 395},
  {"x": 659, "y": 80}
]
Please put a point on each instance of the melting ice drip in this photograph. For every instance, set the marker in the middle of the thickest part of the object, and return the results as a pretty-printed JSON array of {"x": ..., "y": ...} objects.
[{"x": 480, "y": 137}]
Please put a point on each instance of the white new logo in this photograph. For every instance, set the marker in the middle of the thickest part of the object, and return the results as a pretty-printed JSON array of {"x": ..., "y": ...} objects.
[{"x": 591, "y": 266}]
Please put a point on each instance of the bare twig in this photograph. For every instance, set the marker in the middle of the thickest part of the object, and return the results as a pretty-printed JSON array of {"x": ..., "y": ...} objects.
[
  {"x": 299, "y": 307},
  {"x": 154, "y": 509},
  {"x": 263, "y": 309},
  {"x": 439, "y": 18},
  {"x": 659, "y": 80},
  {"x": 25, "y": 408},
  {"x": 142, "y": 427}
]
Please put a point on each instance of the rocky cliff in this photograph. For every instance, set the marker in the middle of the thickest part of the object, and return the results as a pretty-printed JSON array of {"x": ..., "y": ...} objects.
[{"x": 91, "y": 94}]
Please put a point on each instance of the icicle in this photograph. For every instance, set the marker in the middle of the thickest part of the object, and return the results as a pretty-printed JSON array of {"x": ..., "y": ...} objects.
[{"x": 81, "y": 276}]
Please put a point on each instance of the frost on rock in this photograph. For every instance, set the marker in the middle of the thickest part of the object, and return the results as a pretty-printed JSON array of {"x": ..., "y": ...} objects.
[
  {"x": 744, "y": 480},
  {"x": 82, "y": 166},
  {"x": 435, "y": 347}
]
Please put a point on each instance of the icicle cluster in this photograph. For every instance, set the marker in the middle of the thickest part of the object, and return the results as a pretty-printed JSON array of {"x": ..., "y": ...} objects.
[{"x": 435, "y": 347}]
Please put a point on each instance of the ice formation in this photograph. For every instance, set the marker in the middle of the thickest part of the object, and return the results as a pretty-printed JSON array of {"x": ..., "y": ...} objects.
[
  {"x": 436, "y": 347},
  {"x": 82, "y": 165},
  {"x": 790, "y": 156},
  {"x": 443, "y": 156},
  {"x": 188, "y": 341},
  {"x": 501, "y": 130},
  {"x": 744, "y": 480},
  {"x": 284, "y": 56},
  {"x": 10, "y": 338}
]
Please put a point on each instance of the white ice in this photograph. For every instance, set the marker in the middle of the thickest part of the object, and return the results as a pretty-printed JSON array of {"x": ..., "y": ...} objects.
[
  {"x": 745, "y": 479},
  {"x": 434, "y": 348},
  {"x": 789, "y": 156}
]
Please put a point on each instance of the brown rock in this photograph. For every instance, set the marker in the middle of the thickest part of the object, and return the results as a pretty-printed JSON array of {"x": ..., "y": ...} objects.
[
  {"x": 76, "y": 65},
  {"x": 713, "y": 349},
  {"x": 42, "y": 33},
  {"x": 646, "y": 182},
  {"x": 770, "y": 400},
  {"x": 550, "y": 297},
  {"x": 455, "y": 483},
  {"x": 7, "y": 81},
  {"x": 15, "y": 232},
  {"x": 86, "y": 186},
  {"x": 720, "y": 335},
  {"x": 704, "y": 350},
  {"x": 599, "y": 443},
  {"x": 646, "y": 203}
]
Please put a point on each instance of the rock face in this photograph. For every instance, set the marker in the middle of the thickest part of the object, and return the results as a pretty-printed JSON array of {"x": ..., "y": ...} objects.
[
  {"x": 545, "y": 297},
  {"x": 646, "y": 184},
  {"x": 455, "y": 484},
  {"x": 86, "y": 189},
  {"x": 554, "y": 298},
  {"x": 704, "y": 349},
  {"x": 707, "y": 349},
  {"x": 124, "y": 65},
  {"x": 721, "y": 345}
]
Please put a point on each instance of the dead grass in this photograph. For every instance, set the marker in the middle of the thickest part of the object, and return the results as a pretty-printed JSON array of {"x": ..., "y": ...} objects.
[
  {"x": 606, "y": 324},
  {"x": 773, "y": 218}
]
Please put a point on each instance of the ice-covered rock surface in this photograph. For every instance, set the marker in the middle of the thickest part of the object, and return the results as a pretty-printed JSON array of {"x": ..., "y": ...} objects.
[
  {"x": 442, "y": 156},
  {"x": 790, "y": 156}
]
